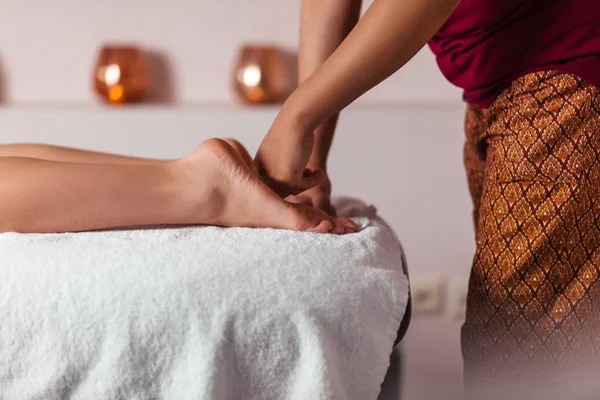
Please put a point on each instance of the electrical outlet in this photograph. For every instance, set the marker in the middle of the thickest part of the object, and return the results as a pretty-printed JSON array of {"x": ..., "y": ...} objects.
[
  {"x": 427, "y": 295},
  {"x": 458, "y": 298}
]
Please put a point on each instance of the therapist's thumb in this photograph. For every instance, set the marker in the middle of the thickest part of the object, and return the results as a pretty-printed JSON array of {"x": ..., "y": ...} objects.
[
  {"x": 292, "y": 184},
  {"x": 310, "y": 179}
]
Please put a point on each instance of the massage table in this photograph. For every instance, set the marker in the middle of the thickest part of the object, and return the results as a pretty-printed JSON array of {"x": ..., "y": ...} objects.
[{"x": 203, "y": 313}]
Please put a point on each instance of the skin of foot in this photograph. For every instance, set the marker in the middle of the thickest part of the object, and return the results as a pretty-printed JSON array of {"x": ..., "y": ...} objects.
[
  {"x": 223, "y": 188},
  {"x": 348, "y": 225}
]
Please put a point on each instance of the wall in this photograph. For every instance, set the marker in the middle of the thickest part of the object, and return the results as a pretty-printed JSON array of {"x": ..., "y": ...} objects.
[
  {"x": 47, "y": 48},
  {"x": 399, "y": 147}
]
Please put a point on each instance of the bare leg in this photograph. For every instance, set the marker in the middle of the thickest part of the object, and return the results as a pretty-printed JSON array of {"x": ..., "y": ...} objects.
[
  {"x": 67, "y": 154},
  {"x": 211, "y": 186},
  {"x": 46, "y": 196}
]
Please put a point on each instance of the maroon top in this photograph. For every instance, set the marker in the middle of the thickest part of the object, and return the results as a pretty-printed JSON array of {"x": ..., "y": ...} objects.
[{"x": 486, "y": 44}]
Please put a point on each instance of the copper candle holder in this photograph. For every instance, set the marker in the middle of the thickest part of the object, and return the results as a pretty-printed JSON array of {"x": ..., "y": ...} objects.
[
  {"x": 121, "y": 74},
  {"x": 263, "y": 75}
]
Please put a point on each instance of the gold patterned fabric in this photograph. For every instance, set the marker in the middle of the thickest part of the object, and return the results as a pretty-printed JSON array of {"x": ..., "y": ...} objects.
[{"x": 533, "y": 165}]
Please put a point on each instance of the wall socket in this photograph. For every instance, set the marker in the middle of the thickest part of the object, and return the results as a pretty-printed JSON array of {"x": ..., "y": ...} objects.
[{"x": 427, "y": 295}]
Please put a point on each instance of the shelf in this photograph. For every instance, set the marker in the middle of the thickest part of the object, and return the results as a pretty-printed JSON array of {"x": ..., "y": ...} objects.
[{"x": 215, "y": 107}]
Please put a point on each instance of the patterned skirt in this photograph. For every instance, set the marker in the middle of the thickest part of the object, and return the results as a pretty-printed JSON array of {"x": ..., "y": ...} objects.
[{"x": 533, "y": 165}]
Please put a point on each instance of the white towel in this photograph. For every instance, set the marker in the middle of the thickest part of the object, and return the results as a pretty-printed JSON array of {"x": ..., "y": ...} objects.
[{"x": 200, "y": 313}]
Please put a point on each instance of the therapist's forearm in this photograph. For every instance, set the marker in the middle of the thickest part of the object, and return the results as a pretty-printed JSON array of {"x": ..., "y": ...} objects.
[
  {"x": 324, "y": 25},
  {"x": 389, "y": 34}
]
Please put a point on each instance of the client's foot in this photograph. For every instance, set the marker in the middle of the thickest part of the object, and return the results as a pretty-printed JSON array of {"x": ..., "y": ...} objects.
[
  {"x": 225, "y": 191},
  {"x": 237, "y": 146},
  {"x": 347, "y": 223}
]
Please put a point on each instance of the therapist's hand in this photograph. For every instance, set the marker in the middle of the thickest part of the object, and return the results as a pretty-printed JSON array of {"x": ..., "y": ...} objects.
[
  {"x": 283, "y": 156},
  {"x": 319, "y": 197},
  {"x": 388, "y": 35}
]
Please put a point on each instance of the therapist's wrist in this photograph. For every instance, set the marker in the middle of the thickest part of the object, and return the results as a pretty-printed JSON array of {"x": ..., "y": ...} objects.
[
  {"x": 296, "y": 121},
  {"x": 297, "y": 113}
]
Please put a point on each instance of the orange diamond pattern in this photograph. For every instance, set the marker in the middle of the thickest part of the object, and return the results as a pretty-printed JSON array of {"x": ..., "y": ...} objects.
[{"x": 533, "y": 166}]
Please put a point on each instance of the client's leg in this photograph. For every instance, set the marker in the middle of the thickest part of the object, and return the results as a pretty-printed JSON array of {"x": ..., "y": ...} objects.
[
  {"x": 211, "y": 186},
  {"x": 67, "y": 154}
]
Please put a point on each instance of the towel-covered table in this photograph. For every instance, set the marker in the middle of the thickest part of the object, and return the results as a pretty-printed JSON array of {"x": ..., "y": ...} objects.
[{"x": 200, "y": 313}]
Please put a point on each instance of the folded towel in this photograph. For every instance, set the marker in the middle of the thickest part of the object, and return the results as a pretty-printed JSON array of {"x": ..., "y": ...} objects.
[{"x": 200, "y": 313}]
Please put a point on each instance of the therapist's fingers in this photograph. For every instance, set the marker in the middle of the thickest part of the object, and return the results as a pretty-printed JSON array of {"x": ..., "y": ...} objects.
[{"x": 308, "y": 180}]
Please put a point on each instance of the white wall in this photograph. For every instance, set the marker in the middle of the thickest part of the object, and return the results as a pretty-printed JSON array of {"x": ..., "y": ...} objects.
[
  {"x": 48, "y": 47},
  {"x": 401, "y": 149}
]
